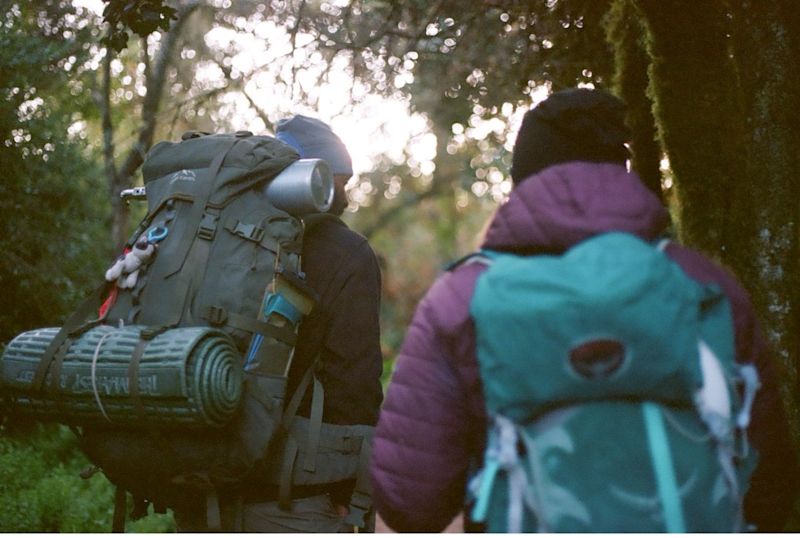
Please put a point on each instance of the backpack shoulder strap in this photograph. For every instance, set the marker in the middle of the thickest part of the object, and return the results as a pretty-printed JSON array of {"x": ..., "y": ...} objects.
[
  {"x": 315, "y": 219},
  {"x": 483, "y": 256},
  {"x": 290, "y": 448}
]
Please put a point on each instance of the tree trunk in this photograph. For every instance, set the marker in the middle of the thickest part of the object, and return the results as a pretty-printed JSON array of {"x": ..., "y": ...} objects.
[
  {"x": 631, "y": 83},
  {"x": 119, "y": 209},
  {"x": 767, "y": 256},
  {"x": 122, "y": 177},
  {"x": 696, "y": 105},
  {"x": 725, "y": 103}
]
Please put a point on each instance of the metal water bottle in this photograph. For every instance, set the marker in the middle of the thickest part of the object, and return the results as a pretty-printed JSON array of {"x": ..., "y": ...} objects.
[{"x": 305, "y": 186}]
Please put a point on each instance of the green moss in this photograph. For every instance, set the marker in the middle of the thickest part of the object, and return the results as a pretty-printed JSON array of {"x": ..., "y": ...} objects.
[
  {"x": 631, "y": 83},
  {"x": 697, "y": 112}
]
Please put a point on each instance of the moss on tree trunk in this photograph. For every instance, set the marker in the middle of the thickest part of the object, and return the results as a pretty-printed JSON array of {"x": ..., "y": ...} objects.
[
  {"x": 725, "y": 102},
  {"x": 767, "y": 254},
  {"x": 631, "y": 83},
  {"x": 698, "y": 115}
]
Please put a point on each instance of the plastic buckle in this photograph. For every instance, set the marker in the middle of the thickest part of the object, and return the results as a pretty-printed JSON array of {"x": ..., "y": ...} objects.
[
  {"x": 249, "y": 231},
  {"x": 208, "y": 226},
  {"x": 360, "y": 504},
  {"x": 217, "y": 315}
]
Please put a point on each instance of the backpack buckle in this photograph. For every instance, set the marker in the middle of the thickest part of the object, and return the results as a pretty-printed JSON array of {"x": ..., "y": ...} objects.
[
  {"x": 217, "y": 315},
  {"x": 360, "y": 504},
  {"x": 208, "y": 226},
  {"x": 249, "y": 231}
]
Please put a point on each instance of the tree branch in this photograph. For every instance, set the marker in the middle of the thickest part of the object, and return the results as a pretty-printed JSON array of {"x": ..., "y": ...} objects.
[
  {"x": 152, "y": 100},
  {"x": 395, "y": 211},
  {"x": 107, "y": 125}
]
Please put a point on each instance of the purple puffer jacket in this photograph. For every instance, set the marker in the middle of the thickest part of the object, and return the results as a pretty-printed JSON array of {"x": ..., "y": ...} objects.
[{"x": 432, "y": 426}]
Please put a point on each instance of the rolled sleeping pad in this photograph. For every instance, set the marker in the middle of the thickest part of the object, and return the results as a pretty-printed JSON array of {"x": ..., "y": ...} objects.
[{"x": 187, "y": 377}]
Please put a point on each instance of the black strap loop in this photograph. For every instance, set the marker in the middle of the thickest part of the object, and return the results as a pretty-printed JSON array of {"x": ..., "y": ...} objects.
[
  {"x": 361, "y": 499},
  {"x": 219, "y": 316},
  {"x": 73, "y": 326},
  {"x": 315, "y": 426},
  {"x": 133, "y": 377}
]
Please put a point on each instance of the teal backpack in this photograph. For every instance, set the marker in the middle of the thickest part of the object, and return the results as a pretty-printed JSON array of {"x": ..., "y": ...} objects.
[{"x": 614, "y": 400}]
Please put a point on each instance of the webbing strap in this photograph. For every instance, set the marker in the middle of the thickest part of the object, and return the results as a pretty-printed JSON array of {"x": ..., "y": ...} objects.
[
  {"x": 252, "y": 232},
  {"x": 290, "y": 450},
  {"x": 484, "y": 489},
  {"x": 55, "y": 377},
  {"x": 290, "y": 447},
  {"x": 237, "y": 511},
  {"x": 178, "y": 292},
  {"x": 297, "y": 397},
  {"x": 213, "y": 512},
  {"x": 663, "y": 468},
  {"x": 133, "y": 376},
  {"x": 167, "y": 200},
  {"x": 219, "y": 316},
  {"x": 361, "y": 499},
  {"x": 73, "y": 325},
  {"x": 120, "y": 507},
  {"x": 199, "y": 207},
  {"x": 315, "y": 426}
]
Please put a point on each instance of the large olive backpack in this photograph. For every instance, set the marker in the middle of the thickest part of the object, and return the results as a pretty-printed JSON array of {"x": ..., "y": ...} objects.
[{"x": 173, "y": 375}]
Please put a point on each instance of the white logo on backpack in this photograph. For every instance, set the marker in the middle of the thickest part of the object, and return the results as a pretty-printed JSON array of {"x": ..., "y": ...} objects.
[{"x": 183, "y": 175}]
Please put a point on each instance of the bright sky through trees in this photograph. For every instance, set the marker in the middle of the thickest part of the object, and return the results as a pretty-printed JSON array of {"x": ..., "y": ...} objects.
[{"x": 282, "y": 78}]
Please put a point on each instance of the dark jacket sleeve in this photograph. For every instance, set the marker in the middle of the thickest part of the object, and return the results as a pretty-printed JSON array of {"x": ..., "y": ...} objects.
[
  {"x": 774, "y": 483},
  {"x": 427, "y": 434},
  {"x": 343, "y": 329},
  {"x": 351, "y": 356}
]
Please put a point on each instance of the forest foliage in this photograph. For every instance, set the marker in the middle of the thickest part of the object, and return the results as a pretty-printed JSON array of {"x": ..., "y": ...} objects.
[{"x": 710, "y": 93}]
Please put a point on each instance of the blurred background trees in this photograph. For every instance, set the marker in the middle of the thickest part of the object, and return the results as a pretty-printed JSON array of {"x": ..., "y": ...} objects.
[{"x": 427, "y": 95}]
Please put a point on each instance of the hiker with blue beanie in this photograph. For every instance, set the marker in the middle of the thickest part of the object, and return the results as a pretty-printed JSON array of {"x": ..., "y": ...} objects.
[
  {"x": 342, "y": 331},
  {"x": 340, "y": 338},
  {"x": 522, "y": 403}
]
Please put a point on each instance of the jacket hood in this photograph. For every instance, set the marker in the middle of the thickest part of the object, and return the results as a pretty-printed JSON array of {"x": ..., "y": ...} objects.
[{"x": 564, "y": 204}]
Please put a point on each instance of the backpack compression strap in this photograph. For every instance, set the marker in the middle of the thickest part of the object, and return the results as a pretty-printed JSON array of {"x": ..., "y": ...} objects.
[
  {"x": 201, "y": 212},
  {"x": 290, "y": 448},
  {"x": 73, "y": 326},
  {"x": 361, "y": 498},
  {"x": 502, "y": 455}
]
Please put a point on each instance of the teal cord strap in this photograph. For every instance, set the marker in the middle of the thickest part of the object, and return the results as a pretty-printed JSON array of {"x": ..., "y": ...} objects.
[
  {"x": 485, "y": 492},
  {"x": 663, "y": 467}
]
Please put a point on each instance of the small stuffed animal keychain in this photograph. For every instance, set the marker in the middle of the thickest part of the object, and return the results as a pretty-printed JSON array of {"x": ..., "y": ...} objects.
[{"x": 125, "y": 270}]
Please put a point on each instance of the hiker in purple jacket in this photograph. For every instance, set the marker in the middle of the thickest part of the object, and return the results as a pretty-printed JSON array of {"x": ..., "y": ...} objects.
[{"x": 571, "y": 183}]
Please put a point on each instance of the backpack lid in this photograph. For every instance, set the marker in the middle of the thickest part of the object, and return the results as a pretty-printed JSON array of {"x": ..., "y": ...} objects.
[
  {"x": 251, "y": 161},
  {"x": 613, "y": 317}
]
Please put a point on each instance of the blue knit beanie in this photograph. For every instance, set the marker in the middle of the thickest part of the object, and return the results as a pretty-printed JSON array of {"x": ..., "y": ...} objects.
[{"x": 314, "y": 139}]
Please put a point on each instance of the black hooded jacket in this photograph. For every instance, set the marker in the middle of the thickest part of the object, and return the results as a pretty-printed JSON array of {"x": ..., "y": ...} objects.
[{"x": 343, "y": 329}]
